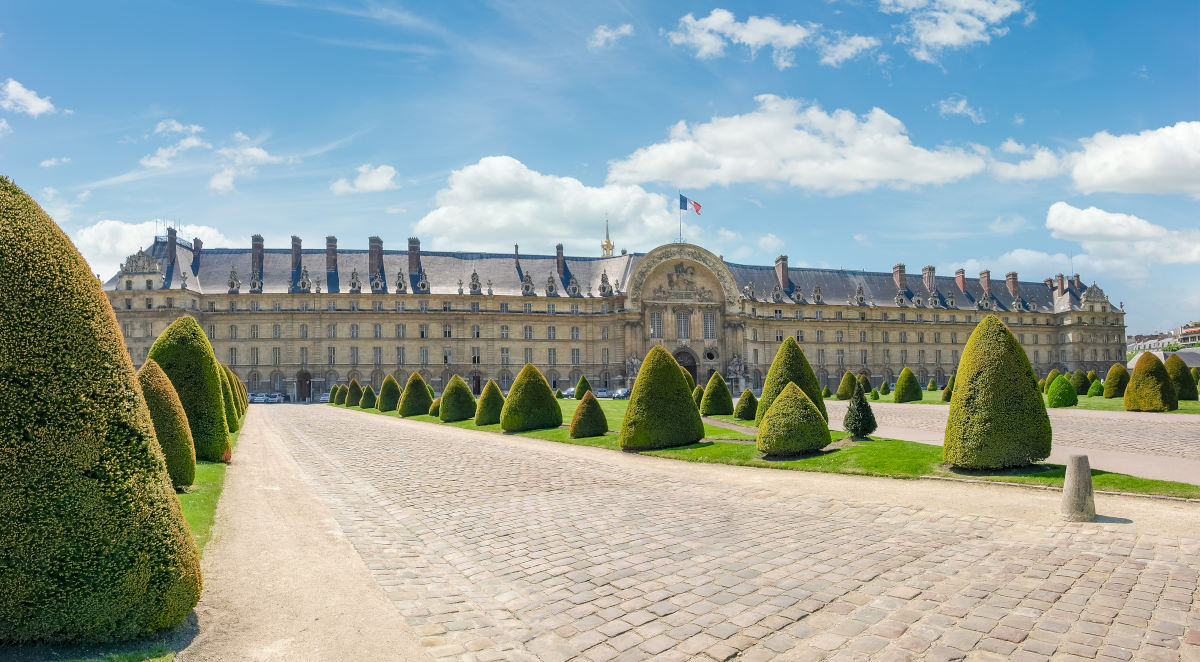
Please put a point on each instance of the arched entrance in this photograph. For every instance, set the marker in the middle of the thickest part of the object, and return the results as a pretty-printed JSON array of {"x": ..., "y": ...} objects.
[
  {"x": 303, "y": 386},
  {"x": 687, "y": 361},
  {"x": 476, "y": 383}
]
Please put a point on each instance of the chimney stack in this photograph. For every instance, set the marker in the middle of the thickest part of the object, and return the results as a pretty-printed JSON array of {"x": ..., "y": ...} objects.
[
  {"x": 414, "y": 255},
  {"x": 197, "y": 245},
  {"x": 898, "y": 277},
  {"x": 960, "y": 279},
  {"x": 171, "y": 245},
  {"x": 1049, "y": 284},
  {"x": 374, "y": 258},
  {"x": 929, "y": 275},
  {"x": 781, "y": 273},
  {"x": 331, "y": 253},
  {"x": 295, "y": 257},
  {"x": 559, "y": 262},
  {"x": 1078, "y": 283},
  {"x": 985, "y": 281},
  {"x": 256, "y": 256},
  {"x": 1061, "y": 282},
  {"x": 1013, "y": 288}
]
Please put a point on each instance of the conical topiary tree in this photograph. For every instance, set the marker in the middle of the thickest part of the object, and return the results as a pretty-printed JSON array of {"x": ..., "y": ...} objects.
[
  {"x": 846, "y": 387},
  {"x": 790, "y": 365},
  {"x": 235, "y": 385},
  {"x": 589, "y": 419},
  {"x": 231, "y": 414},
  {"x": 582, "y": 387},
  {"x": 1041, "y": 384},
  {"x": 183, "y": 352},
  {"x": 1177, "y": 370},
  {"x": 1150, "y": 387},
  {"x": 353, "y": 393},
  {"x": 530, "y": 404},
  {"x": 1195, "y": 375},
  {"x": 874, "y": 394},
  {"x": 458, "y": 404},
  {"x": 826, "y": 393},
  {"x": 558, "y": 394},
  {"x": 1096, "y": 389},
  {"x": 1092, "y": 376},
  {"x": 429, "y": 389},
  {"x": 342, "y": 393},
  {"x": 435, "y": 408},
  {"x": 367, "y": 401},
  {"x": 389, "y": 394},
  {"x": 1115, "y": 381},
  {"x": 1080, "y": 381},
  {"x": 884, "y": 389},
  {"x": 416, "y": 398},
  {"x": 792, "y": 425},
  {"x": 170, "y": 424},
  {"x": 1061, "y": 393},
  {"x": 747, "y": 406},
  {"x": 491, "y": 402},
  {"x": 1051, "y": 377},
  {"x": 864, "y": 382},
  {"x": 93, "y": 544},
  {"x": 907, "y": 388},
  {"x": 931, "y": 386},
  {"x": 859, "y": 420},
  {"x": 661, "y": 411},
  {"x": 997, "y": 418},
  {"x": 691, "y": 382},
  {"x": 698, "y": 396},
  {"x": 948, "y": 392},
  {"x": 717, "y": 400}
]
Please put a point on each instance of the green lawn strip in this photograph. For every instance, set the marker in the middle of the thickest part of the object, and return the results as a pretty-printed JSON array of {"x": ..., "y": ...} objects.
[
  {"x": 1099, "y": 403},
  {"x": 717, "y": 432},
  {"x": 155, "y": 654},
  {"x": 199, "y": 502}
]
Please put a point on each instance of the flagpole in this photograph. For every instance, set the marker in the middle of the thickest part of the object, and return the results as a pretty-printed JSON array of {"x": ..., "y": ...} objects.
[{"x": 680, "y": 216}]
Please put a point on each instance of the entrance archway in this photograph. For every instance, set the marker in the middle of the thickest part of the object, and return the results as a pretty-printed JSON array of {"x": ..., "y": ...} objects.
[
  {"x": 476, "y": 383},
  {"x": 687, "y": 361},
  {"x": 303, "y": 386}
]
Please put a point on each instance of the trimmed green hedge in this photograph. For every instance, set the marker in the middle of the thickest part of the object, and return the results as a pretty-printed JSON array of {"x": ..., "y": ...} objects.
[
  {"x": 1092, "y": 376},
  {"x": 1041, "y": 384},
  {"x": 1061, "y": 393},
  {"x": 931, "y": 386},
  {"x": 948, "y": 392},
  {"x": 1177, "y": 370},
  {"x": 698, "y": 396},
  {"x": 429, "y": 389},
  {"x": 1195, "y": 375},
  {"x": 747, "y": 406},
  {"x": 558, "y": 394},
  {"x": 354, "y": 393},
  {"x": 864, "y": 382},
  {"x": 1096, "y": 389},
  {"x": 691, "y": 382},
  {"x": 341, "y": 394},
  {"x": 530, "y": 404},
  {"x": 93, "y": 544},
  {"x": 589, "y": 419},
  {"x": 582, "y": 387},
  {"x": 235, "y": 385},
  {"x": 435, "y": 408},
  {"x": 458, "y": 404},
  {"x": 792, "y": 425},
  {"x": 874, "y": 394},
  {"x": 491, "y": 403},
  {"x": 826, "y": 393},
  {"x": 717, "y": 400},
  {"x": 859, "y": 420},
  {"x": 661, "y": 411},
  {"x": 416, "y": 399},
  {"x": 845, "y": 389},
  {"x": 1115, "y": 381},
  {"x": 907, "y": 388},
  {"x": 884, "y": 389},
  {"x": 183, "y": 352},
  {"x": 170, "y": 424},
  {"x": 1051, "y": 377},
  {"x": 1080, "y": 381},
  {"x": 231, "y": 413},
  {"x": 997, "y": 417},
  {"x": 790, "y": 365},
  {"x": 389, "y": 394},
  {"x": 368, "y": 399},
  {"x": 1150, "y": 387}
]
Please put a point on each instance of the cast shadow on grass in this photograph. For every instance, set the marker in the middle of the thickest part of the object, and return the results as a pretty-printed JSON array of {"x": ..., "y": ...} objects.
[{"x": 163, "y": 644}]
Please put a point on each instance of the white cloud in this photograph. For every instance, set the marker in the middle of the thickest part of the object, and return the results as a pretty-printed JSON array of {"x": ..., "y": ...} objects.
[
  {"x": 1041, "y": 165},
  {"x": 173, "y": 126},
  {"x": 604, "y": 36},
  {"x": 162, "y": 157},
  {"x": 497, "y": 201},
  {"x": 4, "y": 127},
  {"x": 222, "y": 180},
  {"x": 54, "y": 161},
  {"x": 728, "y": 236},
  {"x": 956, "y": 104},
  {"x": 935, "y": 26},
  {"x": 769, "y": 243},
  {"x": 1018, "y": 119},
  {"x": 105, "y": 244},
  {"x": 803, "y": 146},
  {"x": 1165, "y": 160},
  {"x": 1008, "y": 224},
  {"x": 1010, "y": 146},
  {"x": 19, "y": 99},
  {"x": 709, "y": 35},
  {"x": 370, "y": 179},
  {"x": 839, "y": 48},
  {"x": 59, "y": 208},
  {"x": 240, "y": 160}
]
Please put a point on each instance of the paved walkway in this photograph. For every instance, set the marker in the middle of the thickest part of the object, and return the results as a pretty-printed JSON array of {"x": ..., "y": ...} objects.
[{"x": 498, "y": 547}]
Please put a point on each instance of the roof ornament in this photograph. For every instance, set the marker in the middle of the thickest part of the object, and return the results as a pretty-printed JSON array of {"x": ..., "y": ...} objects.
[
  {"x": 255, "y": 283},
  {"x": 476, "y": 286},
  {"x": 423, "y": 282},
  {"x": 816, "y": 295},
  {"x": 589, "y": 288},
  {"x": 859, "y": 296},
  {"x": 748, "y": 291},
  {"x": 317, "y": 287},
  {"x": 617, "y": 285},
  {"x": 573, "y": 287},
  {"x": 777, "y": 294},
  {"x": 606, "y": 288},
  {"x": 950, "y": 301},
  {"x": 460, "y": 284},
  {"x": 183, "y": 279},
  {"x": 551, "y": 287},
  {"x": 489, "y": 287},
  {"x": 900, "y": 301},
  {"x": 305, "y": 283},
  {"x": 235, "y": 283},
  {"x": 607, "y": 245},
  {"x": 140, "y": 262},
  {"x": 355, "y": 282},
  {"x": 376, "y": 283},
  {"x": 401, "y": 282},
  {"x": 527, "y": 285}
]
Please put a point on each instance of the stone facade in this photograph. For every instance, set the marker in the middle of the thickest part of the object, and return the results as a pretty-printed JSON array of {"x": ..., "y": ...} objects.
[{"x": 283, "y": 325}]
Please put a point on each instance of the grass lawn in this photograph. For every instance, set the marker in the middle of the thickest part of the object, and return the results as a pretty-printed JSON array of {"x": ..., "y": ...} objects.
[{"x": 1100, "y": 403}]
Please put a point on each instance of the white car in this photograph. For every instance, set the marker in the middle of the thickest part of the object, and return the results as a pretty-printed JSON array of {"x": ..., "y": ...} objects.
[
  {"x": 258, "y": 399},
  {"x": 600, "y": 393},
  {"x": 275, "y": 399}
]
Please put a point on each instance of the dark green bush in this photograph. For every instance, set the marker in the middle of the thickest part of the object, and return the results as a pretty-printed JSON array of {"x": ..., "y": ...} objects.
[
  {"x": 1150, "y": 387},
  {"x": 1195, "y": 375},
  {"x": 589, "y": 419},
  {"x": 93, "y": 545},
  {"x": 458, "y": 404},
  {"x": 997, "y": 417},
  {"x": 747, "y": 406},
  {"x": 907, "y": 388},
  {"x": 1092, "y": 376},
  {"x": 698, "y": 396},
  {"x": 826, "y": 393},
  {"x": 691, "y": 382},
  {"x": 230, "y": 409},
  {"x": 530, "y": 404},
  {"x": 792, "y": 425},
  {"x": 170, "y": 424},
  {"x": 948, "y": 392},
  {"x": 1080, "y": 381},
  {"x": 874, "y": 394},
  {"x": 235, "y": 385},
  {"x": 183, "y": 352},
  {"x": 864, "y": 382},
  {"x": 1041, "y": 384},
  {"x": 416, "y": 399},
  {"x": 1177, "y": 370},
  {"x": 884, "y": 389},
  {"x": 582, "y": 387},
  {"x": 859, "y": 420},
  {"x": 368, "y": 399},
  {"x": 353, "y": 393},
  {"x": 661, "y": 411},
  {"x": 1051, "y": 377},
  {"x": 1096, "y": 389},
  {"x": 491, "y": 402},
  {"x": 435, "y": 408},
  {"x": 932, "y": 386},
  {"x": 846, "y": 387},
  {"x": 429, "y": 389},
  {"x": 389, "y": 394},
  {"x": 717, "y": 400},
  {"x": 558, "y": 394},
  {"x": 1115, "y": 381},
  {"x": 341, "y": 394},
  {"x": 1061, "y": 393},
  {"x": 790, "y": 365}
]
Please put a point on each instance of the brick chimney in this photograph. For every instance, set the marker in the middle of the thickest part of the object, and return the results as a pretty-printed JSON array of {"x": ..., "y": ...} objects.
[
  {"x": 1077, "y": 283},
  {"x": 171, "y": 248},
  {"x": 781, "y": 273},
  {"x": 985, "y": 281},
  {"x": 929, "y": 275},
  {"x": 331, "y": 253},
  {"x": 295, "y": 261},
  {"x": 1062, "y": 284},
  {"x": 414, "y": 255},
  {"x": 898, "y": 277},
  {"x": 559, "y": 262},
  {"x": 375, "y": 256},
  {"x": 960, "y": 279},
  {"x": 197, "y": 246},
  {"x": 1014, "y": 288},
  {"x": 256, "y": 256}
]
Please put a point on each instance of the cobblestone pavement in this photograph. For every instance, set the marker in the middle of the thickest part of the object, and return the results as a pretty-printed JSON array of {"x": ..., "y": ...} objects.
[
  {"x": 496, "y": 548},
  {"x": 1176, "y": 435}
]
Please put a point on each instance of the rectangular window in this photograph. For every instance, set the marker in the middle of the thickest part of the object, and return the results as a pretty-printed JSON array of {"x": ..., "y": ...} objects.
[
  {"x": 149, "y": 303},
  {"x": 574, "y": 333},
  {"x": 799, "y": 335},
  {"x": 683, "y": 326},
  {"x": 820, "y": 355},
  {"x": 401, "y": 331},
  {"x": 447, "y": 332},
  {"x": 904, "y": 357},
  {"x": 839, "y": 336},
  {"x": 232, "y": 356},
  {"x": 937, "y": 356},
  {"x": 954, "y": 356},
  {"x": 552, "y": 356},
  {"x": 424, "y": 306},
  {"x": 503, "y": 356},
  {"x": 862, "y": 336},
  {"x": 423, "y": 331},
  {"x": 377, "y": 356},
  {"x": 528, "y": 308},
  {"x": 304, "y": 331},
  {"x": 527, "y": 333},
  {"x": 838, "y": 314},
  {"x": 920, "y": 356},
  {"x": 233, "y": 306},
  {"x": 574, "y": 309},
  {"x": 331, "y": 331},
  {"x": 885, "y": 336},
  {"x": 354, "y": 331},
  {"x": 550, "y": 308},
  {"x": 504, "y": 307},
  {"x": 819, "y": 315},
  {"x": 710, "y": 326},
  {"x": 445, "y": 306},
  {"x": 475, "y": 332},
  {"x": 954, "y": 339},
  {"x": 604, "y": 356},
  {"x": 841, "y": 357},
  {"x": 212, "y": 331},
  {"x": 529, "y": 355},
  {"x": 604, "y": 333},
  {"x": 904, "y": 336},
  {"x": 377, "y": 330},
  {"x": 574, "y": 356},
  {"x": 887, "y": 356},
  {"x": 129, "y": 304},
  {"x": 504, "y": 332},
  {"x": 862, "y": 356},
  {"x": 424, "y": 355},
  {"x": 127, "y": 329},
  {"x": 447, "y": 356},
  {"x": 656, "y": 325},
  {"x": 170, "y": 302},
  {"x": 400, "y": 356},
  {"x": 276, "y": 331},
  {"x": 253, "y": 356},
  {"x": 276, "y": 306},
  {"x": 755, "y": 356},
  {"x": 475, "y": 307},
  {"x": 778, "y": 335},
  {"x": 551, "y": 333},
  {"x": 332, "y": 305},
  {"x": 400, "y": 306},
  {"x": 920, "y": 337},
  {"x": 604, "y": 308},
  {"x": 475, "y": 356},
  {"x": 820, "y": 336},
  {"x": 276, "y": 356},
  {"x": 778, "y": 314},
  {"x": 353, "y": 356},
  {"x": 377, "y": 306},
  {"x": 303, "y": 356}
]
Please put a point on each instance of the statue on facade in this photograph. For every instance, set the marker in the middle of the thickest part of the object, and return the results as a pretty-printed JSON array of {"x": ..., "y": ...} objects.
[
  {"x": 235, "y": 283},
  {"x": 551, "y": 286},
  {"x": 527, "y": 285},
  {"x": 489, "y": 287},
  {"x": 376, "y": 283},
  {"x": 423, "y": 282},
  {"x": 304, "y": 284},
  {"x": 573, "y": 287},
  {"x": 460, "y": 284},
  {"x": 606, "y": 288},
  {"x": 401, "y": 282},
  {"x": 476, "y": 286},
  {"x": 632, "y": 365},
  {"x": 748, "y": 291},
  {"x": 183, "y": 279},
  {"x": 355, "y": 282}
]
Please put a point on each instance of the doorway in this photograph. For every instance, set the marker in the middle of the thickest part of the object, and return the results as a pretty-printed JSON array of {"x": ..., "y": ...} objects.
[
  {"x": 303, "y": 386},
  {"x": 687, "y": 361}
]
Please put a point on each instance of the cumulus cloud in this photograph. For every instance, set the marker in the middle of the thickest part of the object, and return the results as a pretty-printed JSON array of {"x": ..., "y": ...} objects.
[
  {"x": 55, "y": 161},
  {"x": 1165, "y": 160},
  {"x": 60, "y": 208},
  {"x": 370, "y": 179},
  {"x": 604, "y": 36},
  {"x": 105, "y": 244},
  {"x": 956, "y": 104},
  {"x": 1010, "y": 146},
  {"x": 709, "y": 35},
  {"x": 802, "y": 146},
  {"x": 174, "y": 126},
  {"x": 240, "y": 159},
  {"x": 163, "y": 156},
  {"x": 499, "y": 201},
  {"x": 837, "y": 48},
  {"x": 934, "y": 26},
  {"x": 769, "y": 243},
  {"x": 1041, "y": 165},
  {"x": 19, "y": 99}
]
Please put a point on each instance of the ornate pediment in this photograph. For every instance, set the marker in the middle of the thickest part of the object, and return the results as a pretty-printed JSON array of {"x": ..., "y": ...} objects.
[
  {"x": 355, "y": 282},
  {"x": 423, "y": 283},
  {"x": 140, "y": 262},
  {"x": 476, "y": 286},
  {"x": 401, "y": 282},
  {"x": 606, "y": 288},
  {"x": 551, "y": 287},
  {"x": 235, "y": 283},
  {"x": 376, "y": 283},
  {"x": 305, "y": 283},
  {"x": 573, "y": 287},
  {"x": 527, "y": 285}
]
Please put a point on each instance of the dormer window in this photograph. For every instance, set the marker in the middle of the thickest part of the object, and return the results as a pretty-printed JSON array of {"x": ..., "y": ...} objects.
[{"x": 129, "y": 284}]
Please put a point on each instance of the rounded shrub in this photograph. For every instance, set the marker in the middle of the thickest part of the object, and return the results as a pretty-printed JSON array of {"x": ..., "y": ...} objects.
[
  {"x": 1115, "y": 381},
  {"x": 747, "y": 406},
  {"x": 589, "y": 419},
  {"x": 353, "y": 393},
  {"x": 389, "y": 394},
  {"x": 1080, "y": 381},
  {"x": 948, "y": 392},
  {"x": 661, "y": 411},
  {"x": 1177, "y": 370},
  {"x": 1051, "y": 377},
  {"x": 530, "y": 404},
  {"x": 491, "y": 402},
  {"x": 1096, "y": 389},
  {"x": 1150, "y": 387},
  {"x": 582, "y": 387},
  {"x": 884, "y": 389},
  {"x": 687, "y": 376},
  {"x": 717, "y": 400},
  {"x": 1041, "y": 384},
  {"x": 235, "y": 385},
  {"x": 435, "y": 408},
  {"x": 864, "y": 382},
  {"x": 997, "y": 417},
  {"x": 907, "y": 388},
  {"x": 230, "y": 409},
  {"x": 170, "y": 424},
  {"x": 1195, "y": 375},
  {"x": 368, "y": 399},
  {"x": 793, "y": 425},
  {"x": 183, "y": 352},
  {"x": 93, "y": 544},
  {"x": 846, "y": 387},
  {"x": 931, "y": 386},
  {"x": 698, "y": 396},
  {"x": 416, "y": 399},
  {"x": 790, "y": 365},
  {"x": 859, "y": 420},
  {"x": 1061, "y": 393},
  {"x": 874, "y": 394},
  {"x": 458, "y": 404}
]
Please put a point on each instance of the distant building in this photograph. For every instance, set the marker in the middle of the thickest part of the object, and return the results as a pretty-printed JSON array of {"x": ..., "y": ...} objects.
[{"x": 299, "y": 320}]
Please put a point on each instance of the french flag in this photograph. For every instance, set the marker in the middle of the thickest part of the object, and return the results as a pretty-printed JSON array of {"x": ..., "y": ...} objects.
[{"x": 685, "y": 204}]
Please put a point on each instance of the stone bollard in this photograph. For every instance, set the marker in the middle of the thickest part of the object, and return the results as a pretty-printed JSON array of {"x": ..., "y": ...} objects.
[{"x": 1078, "y": 502}]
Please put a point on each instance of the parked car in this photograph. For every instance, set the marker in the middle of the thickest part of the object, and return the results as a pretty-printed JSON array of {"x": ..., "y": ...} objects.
[
  {"x": 324, "y": 398},
  {"x": 600, "y": 393},
  {"x": 275, "y": 399},
  {"x": 569, "y": 393},
  {"x": 621, "y": 394},
  {"x": 258, "y": 399}
]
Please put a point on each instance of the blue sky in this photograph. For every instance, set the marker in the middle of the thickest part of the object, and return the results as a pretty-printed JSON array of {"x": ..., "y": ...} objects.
[{"x": 999, "y": 134}]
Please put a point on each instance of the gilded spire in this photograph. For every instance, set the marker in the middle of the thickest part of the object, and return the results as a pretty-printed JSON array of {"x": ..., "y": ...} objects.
[{"x": 607, "y": 245}]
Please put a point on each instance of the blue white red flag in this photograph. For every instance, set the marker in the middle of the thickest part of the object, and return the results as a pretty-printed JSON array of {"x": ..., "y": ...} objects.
[{"x": 686, "y": 204}]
